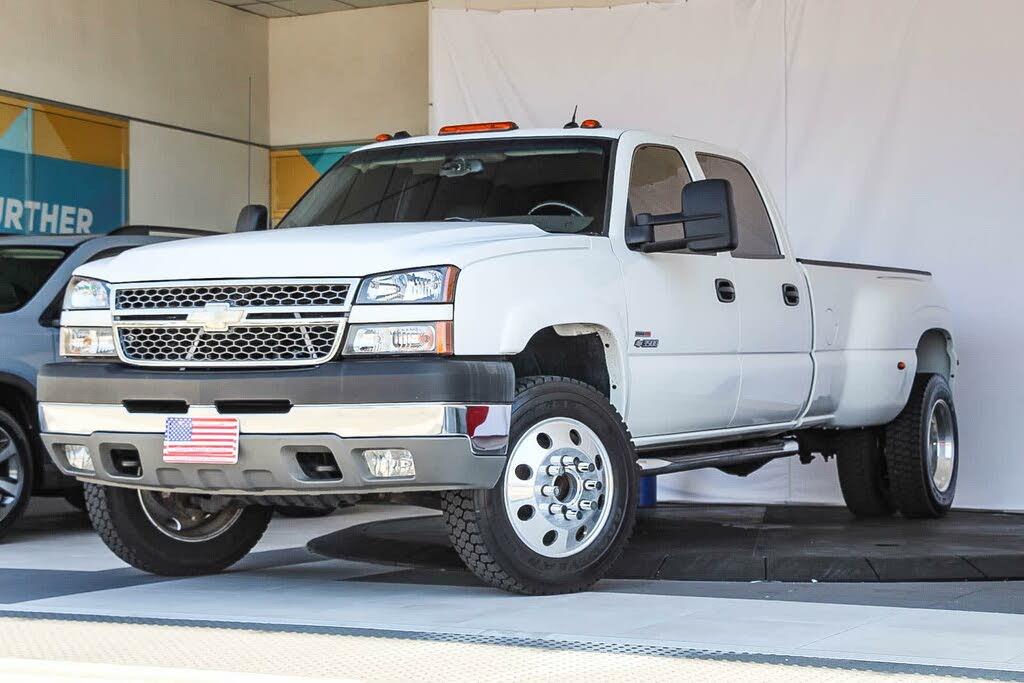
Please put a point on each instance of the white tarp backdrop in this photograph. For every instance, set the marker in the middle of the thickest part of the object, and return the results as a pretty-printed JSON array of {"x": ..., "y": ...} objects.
[{"x": 891, "y": 132}]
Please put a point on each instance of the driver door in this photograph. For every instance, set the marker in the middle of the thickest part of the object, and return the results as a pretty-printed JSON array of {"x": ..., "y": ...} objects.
[{"x": 683, "y": 355}]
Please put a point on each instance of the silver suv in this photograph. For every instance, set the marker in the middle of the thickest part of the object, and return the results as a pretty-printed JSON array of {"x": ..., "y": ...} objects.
[{"x": 34, "y": 271}]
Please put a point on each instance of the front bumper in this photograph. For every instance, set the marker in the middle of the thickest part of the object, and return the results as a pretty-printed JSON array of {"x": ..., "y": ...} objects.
[{"x": 452, "y": 415}]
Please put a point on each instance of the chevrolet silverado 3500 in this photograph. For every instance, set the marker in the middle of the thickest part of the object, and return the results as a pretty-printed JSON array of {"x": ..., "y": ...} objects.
[{"x": 521, "y": 322}]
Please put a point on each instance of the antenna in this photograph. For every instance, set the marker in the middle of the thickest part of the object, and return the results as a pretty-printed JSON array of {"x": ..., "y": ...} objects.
[{"x": 573, "y": 124}]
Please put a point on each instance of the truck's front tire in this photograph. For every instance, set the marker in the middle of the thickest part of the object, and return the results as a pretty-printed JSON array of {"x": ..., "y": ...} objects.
[
  {"x": 16, "y": 471},
  {"x": 164, "y": 534},
  {"x": 565, "y": 507},
  {"x": 863, "y": 473},
  {"x": 921, "y": 450}
]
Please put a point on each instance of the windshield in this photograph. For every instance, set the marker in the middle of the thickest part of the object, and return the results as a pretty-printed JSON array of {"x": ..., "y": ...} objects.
[
  {"x": 557, "y": 184},
  {"x": 23, "y": 271}
]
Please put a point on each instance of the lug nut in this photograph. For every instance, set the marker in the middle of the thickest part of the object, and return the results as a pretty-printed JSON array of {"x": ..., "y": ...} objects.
[
  {"x": 569, "y": 461},
  {"x": 548, "y": 491},
  {"x": 586, "y": 505},
  {"x": 554, "y": 470},
  {"x": 572, "y": 514},
  {"x": 592, "y": 485},
  {"x": 584, "y": 467},
  {"x": 556, "y": 509}
]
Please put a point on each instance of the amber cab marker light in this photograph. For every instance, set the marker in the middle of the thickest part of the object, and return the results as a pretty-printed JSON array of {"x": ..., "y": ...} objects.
[
  {"x": 590, "y": 123},
  {"x": 489, "y": 127},
  {"x": 383, "y": 137}
]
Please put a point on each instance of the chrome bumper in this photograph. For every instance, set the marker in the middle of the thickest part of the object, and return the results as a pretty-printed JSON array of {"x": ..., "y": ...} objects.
[{"x": 454, "y": 446}]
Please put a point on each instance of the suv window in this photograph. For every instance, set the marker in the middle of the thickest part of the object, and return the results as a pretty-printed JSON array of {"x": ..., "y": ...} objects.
[
  {"x": 757, "y": 239},
  {"x": 656, "y": 182},
  {"x": 23, "y": 271},
  {"x": 558, "y": 184}
]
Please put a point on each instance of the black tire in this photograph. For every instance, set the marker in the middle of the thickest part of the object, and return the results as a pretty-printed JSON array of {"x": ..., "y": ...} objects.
[
  {"x": 479, "y": 526},
  {"x": 75, "y": 497},
  {"x": 864, "y": 474},
  {"x": 907, "y": 451},
  {"x": 17, "y": 489},
  {"x": 118, "y": 517}
]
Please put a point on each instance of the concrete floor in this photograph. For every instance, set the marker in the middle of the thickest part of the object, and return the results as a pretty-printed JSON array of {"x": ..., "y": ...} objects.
[{"x": 54, "y": 568}]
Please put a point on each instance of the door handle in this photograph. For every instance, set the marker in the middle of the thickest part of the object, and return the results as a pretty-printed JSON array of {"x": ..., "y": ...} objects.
[
  {"x": 726, "y": 290},
  {"x": 790, "y": 294}
]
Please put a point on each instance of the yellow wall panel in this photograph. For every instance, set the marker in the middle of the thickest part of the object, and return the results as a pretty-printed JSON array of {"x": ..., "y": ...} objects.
[
  {"x": 291, "y": 175},
  {"x": 85, "y": 138}
]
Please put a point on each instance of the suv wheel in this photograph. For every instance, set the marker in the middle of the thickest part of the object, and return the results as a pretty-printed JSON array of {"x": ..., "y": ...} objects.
[
  {"x": 565, "y": 506},
  {"x": 864, "y": 473},
  {"x": 169, "y": 533},
  {"x": 16, "y": 471},
  {"x": 921, "y": 449}
]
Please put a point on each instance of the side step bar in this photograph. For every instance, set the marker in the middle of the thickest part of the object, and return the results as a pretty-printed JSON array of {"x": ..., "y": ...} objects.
[{"x": 699, "y": 457}]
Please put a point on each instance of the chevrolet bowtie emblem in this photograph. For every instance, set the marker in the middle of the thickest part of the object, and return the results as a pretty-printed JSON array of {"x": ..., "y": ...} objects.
[{"x": 217, "y": 317}]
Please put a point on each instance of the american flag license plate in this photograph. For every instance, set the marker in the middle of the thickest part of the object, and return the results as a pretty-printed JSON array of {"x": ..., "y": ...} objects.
[{"x": 201, "y": 440}]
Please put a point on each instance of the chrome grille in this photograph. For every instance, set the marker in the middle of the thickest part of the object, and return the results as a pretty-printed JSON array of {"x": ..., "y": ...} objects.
[
  {"x": 212, "y": 323},
  {"x": 247, "y": 295},
  {"x": 243, "y": 344}
]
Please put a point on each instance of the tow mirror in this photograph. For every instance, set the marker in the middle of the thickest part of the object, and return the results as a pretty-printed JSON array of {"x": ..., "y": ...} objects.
[
  {"x": 251, "y": 218},
  {"x": 709, "y": 221}
]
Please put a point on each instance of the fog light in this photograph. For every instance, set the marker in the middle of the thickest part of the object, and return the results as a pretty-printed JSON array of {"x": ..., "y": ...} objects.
[
  {"x": 79, "y": 458},
  {"x": 390, "y": 462}
]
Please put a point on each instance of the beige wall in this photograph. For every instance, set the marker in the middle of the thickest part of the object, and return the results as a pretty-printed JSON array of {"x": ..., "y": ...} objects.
[
  {"x": 349, "y": 75},
  {"x": 180, "y": 62}
]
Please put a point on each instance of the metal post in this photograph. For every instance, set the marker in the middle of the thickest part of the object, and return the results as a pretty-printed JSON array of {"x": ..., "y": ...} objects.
[{"x": 648, "y": 491}]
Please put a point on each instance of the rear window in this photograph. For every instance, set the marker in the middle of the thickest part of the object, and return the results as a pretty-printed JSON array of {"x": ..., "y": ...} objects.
[{"x": 23, "y": 272}]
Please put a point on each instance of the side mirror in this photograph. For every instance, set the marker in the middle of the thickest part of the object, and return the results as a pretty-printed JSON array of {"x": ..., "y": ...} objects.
[
  {"x": 709, "y": 223},
  {"x": 251, "y": 218}
]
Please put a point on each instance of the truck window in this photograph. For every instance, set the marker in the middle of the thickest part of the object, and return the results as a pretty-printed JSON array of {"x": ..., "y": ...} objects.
[
  {"x": 23, "y": 271},
  {"x": 656, "y": 183},
  {"x": 558, "y": 184},
  {"x": 757, "y": 239}
]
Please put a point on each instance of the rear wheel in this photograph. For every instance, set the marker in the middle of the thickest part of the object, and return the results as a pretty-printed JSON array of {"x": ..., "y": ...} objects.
[
  {"x": 864, "y": 474},
  {"x": 921, "y": 450},
  {"x": 16, "y": 471},
  {"x": 565, "y": 506},
  {"x": 171, "y": 534}
]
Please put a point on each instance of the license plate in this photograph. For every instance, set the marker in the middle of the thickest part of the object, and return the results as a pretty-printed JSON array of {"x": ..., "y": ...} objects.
[{"x": 201, "y": 440}]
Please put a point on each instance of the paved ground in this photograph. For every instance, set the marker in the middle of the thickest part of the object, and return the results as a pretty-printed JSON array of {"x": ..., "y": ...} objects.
[{"x": 58, "y": 582}]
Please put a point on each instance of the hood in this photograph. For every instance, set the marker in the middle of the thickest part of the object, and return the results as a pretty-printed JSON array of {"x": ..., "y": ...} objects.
[{"x": 328, "y": 251}]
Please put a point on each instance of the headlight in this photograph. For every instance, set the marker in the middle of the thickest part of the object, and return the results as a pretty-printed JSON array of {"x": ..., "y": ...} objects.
[
  {"x": 85, "y": 293},
  {"x": 420, "y": 286},
  {"x": 87, "y": 342},
  {"x": 399, "y": 338}
]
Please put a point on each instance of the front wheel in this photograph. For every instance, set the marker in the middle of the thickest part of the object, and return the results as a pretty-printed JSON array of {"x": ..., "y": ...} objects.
[
  {"x": 15, "y": 471},
  {"x": 170, "y": 534},
  {"x": 565, "y": 506}
]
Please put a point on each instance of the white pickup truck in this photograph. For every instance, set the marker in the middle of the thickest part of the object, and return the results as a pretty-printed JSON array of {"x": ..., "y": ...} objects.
[{"x": 521, "y": 322}]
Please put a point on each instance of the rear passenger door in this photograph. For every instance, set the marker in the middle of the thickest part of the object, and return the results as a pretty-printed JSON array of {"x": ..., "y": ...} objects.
[{"x": 774, "y": 306}]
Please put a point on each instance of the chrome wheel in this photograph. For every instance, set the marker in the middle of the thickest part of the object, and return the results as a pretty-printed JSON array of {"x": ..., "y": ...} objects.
[
  {"x": 172, "y": 514},
  {"x": 941, "y": 444},
  {"x": 12, "y": 474},
  {"x": 558, "y": 487}
]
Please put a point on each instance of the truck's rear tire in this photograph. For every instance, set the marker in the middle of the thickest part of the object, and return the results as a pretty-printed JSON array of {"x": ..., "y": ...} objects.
[
  {"x": 921, "y": 450},
  {"x": 162, "y": 534},
  {"x": 864, "y": 473},
  {"x": 16, "y": 471},
  {"x": 541, "y": 532}
]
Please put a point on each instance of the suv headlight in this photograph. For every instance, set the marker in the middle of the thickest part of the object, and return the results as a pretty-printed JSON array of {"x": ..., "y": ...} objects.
[
  {"x": 399, "y": 338},
  {"x": 87, "y": 342},
  {"x": 434, "y": 285},
  {"x": 84, "y": 293}
]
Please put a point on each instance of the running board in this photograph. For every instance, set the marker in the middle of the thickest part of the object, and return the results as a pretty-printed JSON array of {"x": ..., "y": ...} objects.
[{"x": 699, "y": 457}]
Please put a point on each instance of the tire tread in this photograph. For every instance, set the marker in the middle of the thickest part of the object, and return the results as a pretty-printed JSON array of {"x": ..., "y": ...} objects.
[{"x": 463, "y": 521}]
